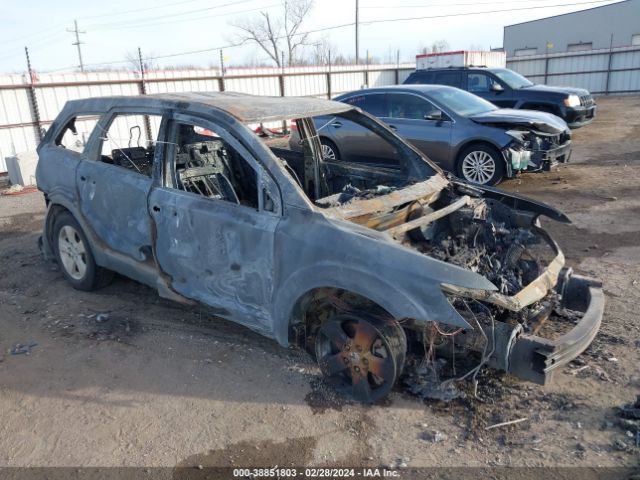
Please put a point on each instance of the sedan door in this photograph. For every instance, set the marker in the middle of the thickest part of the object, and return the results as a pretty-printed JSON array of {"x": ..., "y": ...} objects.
[
  {"x": 412, "y": 116},
  {"x": 356, "y": 143}
]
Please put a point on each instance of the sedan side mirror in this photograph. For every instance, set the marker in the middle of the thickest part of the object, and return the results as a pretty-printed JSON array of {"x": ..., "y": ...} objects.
[
  {"x": 435, "y": 115},
  {"x": 496, "y": 87}
]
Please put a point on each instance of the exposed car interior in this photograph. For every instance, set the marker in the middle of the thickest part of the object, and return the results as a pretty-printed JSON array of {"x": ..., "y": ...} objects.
[
  {"x": 205, "y": 164},
  {"x": 130, "y": 150}
]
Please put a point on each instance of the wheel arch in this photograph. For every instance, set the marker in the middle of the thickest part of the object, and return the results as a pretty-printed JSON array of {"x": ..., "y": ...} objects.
[{"x": 302, "y": 287}]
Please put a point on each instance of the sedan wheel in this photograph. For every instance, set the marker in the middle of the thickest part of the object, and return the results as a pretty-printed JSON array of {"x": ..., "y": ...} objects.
[
  {"x": 478, "y": 167},
  {"x": 73, "y": 253},
  {"x": 360, "y": 357},
  {"x": 329, "y": 151}
]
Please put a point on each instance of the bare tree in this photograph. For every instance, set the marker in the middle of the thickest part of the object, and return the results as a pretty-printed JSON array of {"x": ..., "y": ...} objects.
[
  {"x": 134, "y": 62},
  {"x": 277, "y": 34},
  {"x": 440, "y": 46},
  {"x": 437, "y": 46}
]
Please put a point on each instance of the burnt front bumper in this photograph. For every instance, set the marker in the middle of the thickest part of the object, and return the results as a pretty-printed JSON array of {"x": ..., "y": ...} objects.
[{"x": 535, "y": 358}]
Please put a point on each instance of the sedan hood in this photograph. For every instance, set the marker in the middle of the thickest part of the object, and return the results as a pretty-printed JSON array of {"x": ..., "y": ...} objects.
[
  {"x": 505, "y": 117},
  {"x": 552, "y": 89}
]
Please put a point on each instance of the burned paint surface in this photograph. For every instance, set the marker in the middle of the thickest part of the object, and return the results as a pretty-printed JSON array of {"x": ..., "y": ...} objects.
[{"x": 392, "y": 236}]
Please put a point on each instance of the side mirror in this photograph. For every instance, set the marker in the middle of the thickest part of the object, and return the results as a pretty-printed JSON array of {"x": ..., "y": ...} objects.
[
  {"x": 436, "y": 115},
  {"x": 496, "y": 87}
]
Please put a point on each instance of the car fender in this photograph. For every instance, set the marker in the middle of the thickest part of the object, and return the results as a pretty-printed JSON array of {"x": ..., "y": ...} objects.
[{"x": 427, "y": 303}]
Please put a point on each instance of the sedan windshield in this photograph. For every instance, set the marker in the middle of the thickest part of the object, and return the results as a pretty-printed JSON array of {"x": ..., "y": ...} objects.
[
  {"x": 463, "y": 103},
  {"x": 511, "y": 78}
]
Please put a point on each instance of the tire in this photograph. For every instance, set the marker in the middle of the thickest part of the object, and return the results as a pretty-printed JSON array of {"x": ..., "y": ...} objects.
[
  {"x": 74, "y": 256},
  {"x": 360, "y": 355},
  {"x": 480, "y": 163},
  {"x": 329, "y": 149}
]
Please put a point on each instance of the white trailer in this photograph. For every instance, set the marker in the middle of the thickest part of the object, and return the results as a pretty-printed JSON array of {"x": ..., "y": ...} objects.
[{"x": 461, "y": 58}]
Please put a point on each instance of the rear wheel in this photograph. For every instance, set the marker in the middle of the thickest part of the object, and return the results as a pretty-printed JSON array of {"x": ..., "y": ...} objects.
[
  {"x": 75, "y": 257},
  {"x": 361, "y": 356},
  {"x": 481, "y": 164},
  {"x": 329, "y": 149}
]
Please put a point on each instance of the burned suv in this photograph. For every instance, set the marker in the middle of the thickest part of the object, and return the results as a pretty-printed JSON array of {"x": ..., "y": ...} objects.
[{"x": 358, "y": 264}]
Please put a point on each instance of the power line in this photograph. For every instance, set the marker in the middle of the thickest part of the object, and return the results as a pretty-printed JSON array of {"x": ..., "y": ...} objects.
[
  {"x": 77, "y": 43},
  {"x": 170, "y": 15},
  {"x": 434, "y": 5},
  {"x": 172, "y": 22},
  {"x": 124, "y": 12},
  {"x": 350, "y": 24},
  {"x": 463, "y": 14}
]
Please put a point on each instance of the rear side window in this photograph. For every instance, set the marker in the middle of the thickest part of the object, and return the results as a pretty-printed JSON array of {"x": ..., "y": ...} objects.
[
  {"x": 453, "y": 79},
  {"x": 130, "y": 142},
  {"x": 420, "y": 77},
  {"x": 76, "y": 132},
  {"x": 373, "y": 103}
]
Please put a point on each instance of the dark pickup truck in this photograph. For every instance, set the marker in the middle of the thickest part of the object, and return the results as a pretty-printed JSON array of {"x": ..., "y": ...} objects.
[{"x": 508, "y": 89}]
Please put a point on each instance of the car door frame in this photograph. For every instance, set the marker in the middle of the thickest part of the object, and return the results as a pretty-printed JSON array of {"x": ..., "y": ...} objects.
[
  {"x": 92, "y": 169},
  {"x": 228, "y": 224}
]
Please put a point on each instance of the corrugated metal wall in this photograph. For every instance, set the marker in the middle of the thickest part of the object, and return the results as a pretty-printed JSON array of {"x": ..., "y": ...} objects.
[
  {"x": 609, "y": 71},
  {"x": 19, "y": 122}
]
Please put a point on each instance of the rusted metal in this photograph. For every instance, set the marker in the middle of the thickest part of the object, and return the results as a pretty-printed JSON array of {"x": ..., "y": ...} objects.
[{"x": 431, "y": 217}]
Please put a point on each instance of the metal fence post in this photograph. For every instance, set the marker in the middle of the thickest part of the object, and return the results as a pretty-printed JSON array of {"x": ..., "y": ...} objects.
[
  {"x": 143, "y": 91},
  {"x": 282, "y": 92},
  {"x": 546, "y": 67},
  {"x": 35, "y": 111},
  {"x": 329, "y": 76},
  {"x": 221, "y": 85},
  {"x": 606, "y": 87}
]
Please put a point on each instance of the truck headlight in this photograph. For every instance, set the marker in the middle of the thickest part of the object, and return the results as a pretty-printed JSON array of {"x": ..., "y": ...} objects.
[{"x": 572, "y": 101}]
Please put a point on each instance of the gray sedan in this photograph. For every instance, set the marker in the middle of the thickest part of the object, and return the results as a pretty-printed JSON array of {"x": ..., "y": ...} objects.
[{"x": 459, "y": 131}]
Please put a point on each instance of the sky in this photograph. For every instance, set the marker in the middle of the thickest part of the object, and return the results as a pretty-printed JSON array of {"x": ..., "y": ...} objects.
[{"x": 116, "y": 28}]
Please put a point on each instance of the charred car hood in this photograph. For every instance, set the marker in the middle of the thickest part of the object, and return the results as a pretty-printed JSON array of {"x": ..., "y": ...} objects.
[{"x": 539, "y": 121}]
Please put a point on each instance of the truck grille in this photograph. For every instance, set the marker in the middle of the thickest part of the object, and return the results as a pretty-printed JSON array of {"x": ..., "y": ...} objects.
[{"x": 586, "y": 100}]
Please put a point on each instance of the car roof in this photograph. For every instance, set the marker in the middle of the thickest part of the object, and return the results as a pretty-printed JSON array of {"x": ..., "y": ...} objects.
[
  {"x": 457, "y": 69},
  {"x": 246, "y": 108},
  {"x": 419, "y": 88}
]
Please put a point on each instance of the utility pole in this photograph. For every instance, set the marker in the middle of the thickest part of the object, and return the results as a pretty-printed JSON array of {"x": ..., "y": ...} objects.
[
  {"x": 357, "y": 34},
  {"x": 77, "y": 43}
]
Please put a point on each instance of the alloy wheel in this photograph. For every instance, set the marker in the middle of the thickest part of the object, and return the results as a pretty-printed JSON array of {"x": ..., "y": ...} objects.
[{"x": 479, "y": 167}]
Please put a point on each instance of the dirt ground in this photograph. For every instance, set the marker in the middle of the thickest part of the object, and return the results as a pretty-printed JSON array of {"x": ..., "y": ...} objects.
[{"x": 157, "y": 384}]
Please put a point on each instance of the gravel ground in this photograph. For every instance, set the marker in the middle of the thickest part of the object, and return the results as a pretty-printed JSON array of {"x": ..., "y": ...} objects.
[{"x": 157, "y": 384}]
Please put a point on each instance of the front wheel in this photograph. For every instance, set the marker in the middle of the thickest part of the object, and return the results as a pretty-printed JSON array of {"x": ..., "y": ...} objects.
[
  {"x": 481, "y": 164},
  {"x": 361, "y": 356}
]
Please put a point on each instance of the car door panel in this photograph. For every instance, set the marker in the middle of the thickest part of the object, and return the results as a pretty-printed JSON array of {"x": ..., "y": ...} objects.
[
  {"x": 217, "y": 252},
  {"x": 432, "y": 137},
  {"x": 113, "y": 201}
]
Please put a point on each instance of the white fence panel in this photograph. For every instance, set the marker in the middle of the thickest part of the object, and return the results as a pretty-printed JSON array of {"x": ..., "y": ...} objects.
[{"x": 18, "y": 121}]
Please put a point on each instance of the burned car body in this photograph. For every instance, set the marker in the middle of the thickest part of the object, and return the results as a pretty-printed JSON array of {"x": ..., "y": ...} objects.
[
  {"x": 459, "y": 131},
  {"x": 353, "y": 261}
]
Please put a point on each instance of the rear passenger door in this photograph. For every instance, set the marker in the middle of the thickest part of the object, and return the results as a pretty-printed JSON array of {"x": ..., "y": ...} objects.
[
  {"x": 408, "y": 117},
  {"x": 114, "y": 179},
  {"x": 356, "y": 143}
]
